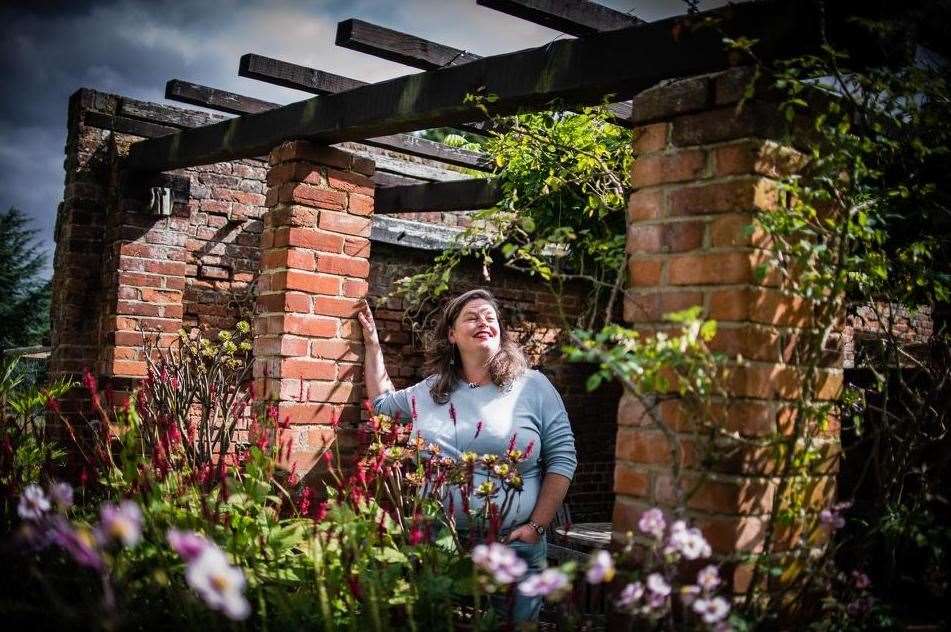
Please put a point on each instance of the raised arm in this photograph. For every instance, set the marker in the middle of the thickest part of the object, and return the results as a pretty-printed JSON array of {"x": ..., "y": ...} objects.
[{"x": 374, "y": 372}]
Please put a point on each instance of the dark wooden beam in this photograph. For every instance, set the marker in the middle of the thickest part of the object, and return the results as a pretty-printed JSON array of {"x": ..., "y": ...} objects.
[
  {"x": 457, "y": 195},
  {"x": 574, "y": 17},
  {"x": 125, "y": 125},
  {"x": 417, "y": 52},
  {"x": 398, "y": 47},
  {"x": 212, "y": 98},
  {"x": 578, "y": 71},
  {"x": 288, "y": 75}
]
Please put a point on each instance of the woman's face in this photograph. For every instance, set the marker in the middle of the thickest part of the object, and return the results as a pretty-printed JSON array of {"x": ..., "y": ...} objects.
[{"x": 476, "y": 329}]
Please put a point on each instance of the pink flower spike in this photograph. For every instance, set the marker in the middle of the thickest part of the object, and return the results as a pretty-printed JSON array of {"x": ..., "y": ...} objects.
[
  {"x": 478, "y": 430},
  {"x": 452, "y": 413}
]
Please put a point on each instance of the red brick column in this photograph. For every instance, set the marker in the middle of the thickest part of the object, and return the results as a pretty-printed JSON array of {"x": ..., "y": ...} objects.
[
  {"x": 315, "y": 264},
  {"x": 703, "y": 171}
]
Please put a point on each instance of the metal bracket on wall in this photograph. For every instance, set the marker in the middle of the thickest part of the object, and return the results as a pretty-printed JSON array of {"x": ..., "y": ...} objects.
[{"x": 160, "y": 201}]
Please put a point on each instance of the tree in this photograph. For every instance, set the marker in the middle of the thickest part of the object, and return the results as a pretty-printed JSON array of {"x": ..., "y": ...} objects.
[{"x": 24, "y": 293}]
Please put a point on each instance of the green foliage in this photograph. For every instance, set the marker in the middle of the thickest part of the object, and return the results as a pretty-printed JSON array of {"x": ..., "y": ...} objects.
[
  {"x": 24, "y": 294},
  {"x": 563, "y": 178}
]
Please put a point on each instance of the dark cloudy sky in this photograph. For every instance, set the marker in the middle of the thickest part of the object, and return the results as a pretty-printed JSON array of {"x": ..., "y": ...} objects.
[{"x": 132, "y": 47}]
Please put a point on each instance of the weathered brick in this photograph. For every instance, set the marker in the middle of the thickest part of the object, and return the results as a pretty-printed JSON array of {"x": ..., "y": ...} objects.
[
  {"x": 307, "y": 368},
  {"x": 663, "y": 102},
  {"x": 357, "y": 247},
  {"x": 317, "y": 326},
  {"x": 680, "y": 166},
  {"x": 651, "y": 138},
  {"x": 631, "y": 481},
  {"x": 352, "y": 288},
  {"x": 296, "y": 215},
  {"x": 644, "y": 273},
  {"x": 360, "y": 204},
  {"x": 350, "y": 182},
  {"x": 305, "y": 281},
  {"x": 343, "y": 265},
  {"x": 645, "y": 205},
  {"x": 296, "y": 258},
  {"x": 307, "y": 238},
  {"x": 328, "y": 306},
  {"x": 307, "y": 194},
  {"x": 725, "y": 196},
  {"x": 756, "y": 119},
  {"x": 651, "y": 307},
  {"x": 710, "y": 269},
  {"x": 346, "y": 224},
  {"x": 336, "y": 349}
]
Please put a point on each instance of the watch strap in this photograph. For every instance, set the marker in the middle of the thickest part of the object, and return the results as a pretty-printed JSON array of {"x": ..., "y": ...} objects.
[{"x": 539, "y": 529}]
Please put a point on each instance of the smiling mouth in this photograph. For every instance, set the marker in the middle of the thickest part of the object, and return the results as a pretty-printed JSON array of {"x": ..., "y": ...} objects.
[{"x": 483, "y": 335}]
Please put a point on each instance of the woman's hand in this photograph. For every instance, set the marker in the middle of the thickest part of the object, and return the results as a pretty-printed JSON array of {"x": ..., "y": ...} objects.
[
  {"x": 365, "y": 316},
  {"x": 526, "y": 533}
]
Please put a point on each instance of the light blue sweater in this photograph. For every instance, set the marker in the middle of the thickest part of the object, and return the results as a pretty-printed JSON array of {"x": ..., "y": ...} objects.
[{"x": 531, "y": 409}]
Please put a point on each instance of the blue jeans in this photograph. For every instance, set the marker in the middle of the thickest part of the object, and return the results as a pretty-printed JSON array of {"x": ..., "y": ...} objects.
[{"x": 524, "y": 608}]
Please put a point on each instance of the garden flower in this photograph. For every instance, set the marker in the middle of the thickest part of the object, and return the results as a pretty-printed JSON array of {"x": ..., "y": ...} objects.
[
  {"x": 123, "y": 523},
  {"x": 80, "y": 544},
  {"x": 688, "y": 542},
  {"x": 630, "y": 595},
  {"x": 33, "y": 503},
  {"x": 601, "y": 568},
  {"x": 551, "y": 583},
  {"x": 832, "y": 518},
  {"x": 861, "y": 580},
  {"x": 652, "y": 523},
  {"x": 657, "y": 585},
  {"x": 688, "y": 594},
  {"x": 500, "y": 561},
  {"x": 708, "y": 578},
  {"x": 712, "y": 610},
  {"x": 62, "y": 495},
  {"x": 218, "y": 583},
  {"x": 188, "y": 544}
]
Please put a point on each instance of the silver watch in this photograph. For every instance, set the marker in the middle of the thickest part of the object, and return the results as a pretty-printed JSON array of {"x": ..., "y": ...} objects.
[{"x": 539, "y": 529}]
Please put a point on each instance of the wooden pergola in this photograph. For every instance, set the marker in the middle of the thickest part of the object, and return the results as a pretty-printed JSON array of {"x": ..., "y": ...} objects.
[{"x": 615, "y": 55}]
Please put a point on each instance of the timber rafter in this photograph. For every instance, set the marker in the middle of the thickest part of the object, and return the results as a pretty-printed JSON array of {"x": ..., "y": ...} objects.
[{"x": 578, "y": 71}]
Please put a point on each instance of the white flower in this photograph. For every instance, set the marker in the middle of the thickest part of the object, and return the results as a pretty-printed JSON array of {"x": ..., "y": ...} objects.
[
  {"x": 62, "y": 494},
  {"x": 652, "y": 523},
  {"x": 123, "y": 523},
  {"x": 688, "y": 542},
  {"x": 712, "y": 610},
  {"x": 500, "y": 561},
  {"x": 689, "y": 593},
  {"x": 551, "y": 583},
  {"x": 33, "y": 503},
  {"x": 601, "y": 568},
  {"x": 658, "y": 585},
  {"x": 218, "y": 583},
  {"x": 631, "y": 594},
  {"x": 708, "y": 578}
]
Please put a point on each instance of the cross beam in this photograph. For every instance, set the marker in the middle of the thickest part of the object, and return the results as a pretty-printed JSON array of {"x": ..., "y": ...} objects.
[
  {"x": 574, "y": 17},
  {"x": 578, "y": 71},
  {"x": 288, "y": 75},
  {"x": 457, "y": 195},
  {"x": 417, "y": 52},
  {"x": 305, "y": 79},
  {"x": 398, "y": 47},
  {"x": 212, "y": 98}
]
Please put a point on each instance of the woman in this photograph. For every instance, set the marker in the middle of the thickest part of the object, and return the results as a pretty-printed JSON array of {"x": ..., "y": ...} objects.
[{"x": 479, "y": 393}]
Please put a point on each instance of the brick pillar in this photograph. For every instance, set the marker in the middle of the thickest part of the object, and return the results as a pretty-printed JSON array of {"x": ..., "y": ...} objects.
[
  {"x": 703, "y": 171},
  {"x": 80, "y": 226},
  {"x": 315, "y": 264}
]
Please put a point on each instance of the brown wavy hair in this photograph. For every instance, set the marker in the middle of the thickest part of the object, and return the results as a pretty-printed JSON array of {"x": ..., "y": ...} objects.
[{"x": 505, "y": 367}]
